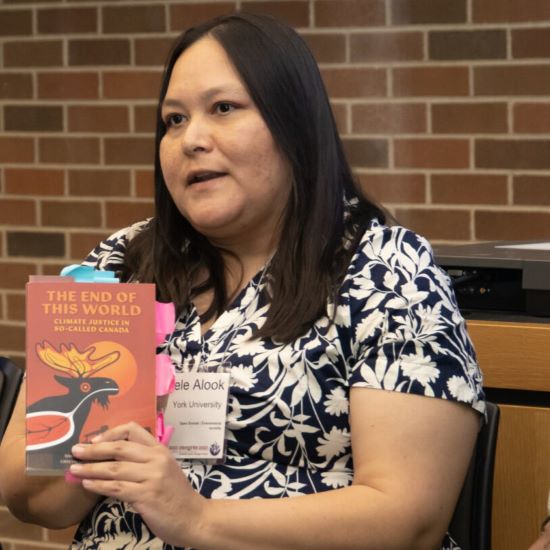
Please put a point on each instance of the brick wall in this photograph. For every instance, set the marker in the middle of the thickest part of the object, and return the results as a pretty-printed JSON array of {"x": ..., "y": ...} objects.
[{"x": 444, "y": 107}]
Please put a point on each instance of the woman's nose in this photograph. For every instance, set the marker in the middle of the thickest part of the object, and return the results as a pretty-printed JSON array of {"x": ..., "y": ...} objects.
[{"x": 196, "y": 137}]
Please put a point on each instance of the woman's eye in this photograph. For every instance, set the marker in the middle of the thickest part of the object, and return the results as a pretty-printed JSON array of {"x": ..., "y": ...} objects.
[
  {"x": 224, "y": 108},
  {"x": 174, "y": 120}
]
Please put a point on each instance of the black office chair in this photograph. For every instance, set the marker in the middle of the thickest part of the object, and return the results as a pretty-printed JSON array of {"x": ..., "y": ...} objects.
[
  {"x": 471, "y": 523},
  {"x": 10, "y": 381}
]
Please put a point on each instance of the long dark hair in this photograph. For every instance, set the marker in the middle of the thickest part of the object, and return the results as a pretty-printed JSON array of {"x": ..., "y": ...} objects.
[{"x": 284, "y": 82}]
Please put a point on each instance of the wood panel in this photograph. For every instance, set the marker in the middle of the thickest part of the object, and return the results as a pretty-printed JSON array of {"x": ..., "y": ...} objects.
[
  {"x": 516, "y": 356},
  {"x": 513, "y": 355},
  {"x": 522, "y": 476}
]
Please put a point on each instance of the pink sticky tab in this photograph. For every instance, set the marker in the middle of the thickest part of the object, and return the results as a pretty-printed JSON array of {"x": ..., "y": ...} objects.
[
  {"x": 70, "y": 478},
  {"x": 164, "y": 432},
  {"x": 165, "y": 313},
  {"x": 165, "y": 376},
  {"x": 167, "y": 435},
  {"x": 160, "y": 425}
]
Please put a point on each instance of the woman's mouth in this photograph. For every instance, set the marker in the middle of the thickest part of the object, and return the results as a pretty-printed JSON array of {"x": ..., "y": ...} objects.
[{"x": 202, "y": 176}]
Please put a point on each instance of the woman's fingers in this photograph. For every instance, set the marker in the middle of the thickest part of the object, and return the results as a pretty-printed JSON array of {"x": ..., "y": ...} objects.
[
  {"x": 111, "y": 470},
  {"x": 128, "y": 432},
  {"x": 126, "y": 442},
  {"x": 127, "y": 463},
  {"x": 115, "y": 450}
]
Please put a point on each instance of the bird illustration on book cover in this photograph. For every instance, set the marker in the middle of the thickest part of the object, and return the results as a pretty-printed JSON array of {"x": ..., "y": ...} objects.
[{"x": 83, "y": 380}]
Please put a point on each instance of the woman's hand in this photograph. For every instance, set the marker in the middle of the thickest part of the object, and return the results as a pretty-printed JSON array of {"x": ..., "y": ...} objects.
[
  {"x": 128, "y": 463},
  {"x": 543, "y": 542}
]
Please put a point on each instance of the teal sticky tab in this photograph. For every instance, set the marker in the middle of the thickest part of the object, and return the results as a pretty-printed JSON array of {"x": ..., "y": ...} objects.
[{"x": 86, "y": 274}]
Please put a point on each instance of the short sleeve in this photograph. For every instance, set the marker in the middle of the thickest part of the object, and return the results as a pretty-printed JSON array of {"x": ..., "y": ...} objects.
[
  {"x": 407, "y": 332},
  {"x": 108, "y": 255}
]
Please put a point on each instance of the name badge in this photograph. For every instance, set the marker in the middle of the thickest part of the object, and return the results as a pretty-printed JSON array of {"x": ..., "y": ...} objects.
[{"x": 197, "y": 410}]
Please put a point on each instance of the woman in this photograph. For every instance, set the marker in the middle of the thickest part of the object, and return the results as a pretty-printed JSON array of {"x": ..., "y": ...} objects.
[{"x": 354, "y": 385}]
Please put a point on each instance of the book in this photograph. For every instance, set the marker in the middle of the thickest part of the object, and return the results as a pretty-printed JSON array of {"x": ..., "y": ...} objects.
[{"x": 90, "y": 365}]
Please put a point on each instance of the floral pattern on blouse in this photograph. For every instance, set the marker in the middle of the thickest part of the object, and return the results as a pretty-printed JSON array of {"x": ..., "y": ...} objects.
[{"x": 396, "y": 327}]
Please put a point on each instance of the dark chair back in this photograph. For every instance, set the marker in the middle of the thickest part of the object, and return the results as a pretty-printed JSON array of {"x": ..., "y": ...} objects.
[
  {"x": 10, "y": 381},
  {"x": 471, "y": 523}
]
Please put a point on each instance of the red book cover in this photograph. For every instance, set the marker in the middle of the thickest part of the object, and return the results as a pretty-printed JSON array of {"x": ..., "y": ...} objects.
[{"x": 90, "y": 365}]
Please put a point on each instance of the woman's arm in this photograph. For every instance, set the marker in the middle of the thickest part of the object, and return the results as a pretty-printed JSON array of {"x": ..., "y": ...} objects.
[
  {"x": 410, "y": 457},
  {"x": 47, "y": 501}
]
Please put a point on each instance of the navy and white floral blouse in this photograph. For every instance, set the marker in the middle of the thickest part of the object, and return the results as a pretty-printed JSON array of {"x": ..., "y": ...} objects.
[{"x": 397, "y": 327}]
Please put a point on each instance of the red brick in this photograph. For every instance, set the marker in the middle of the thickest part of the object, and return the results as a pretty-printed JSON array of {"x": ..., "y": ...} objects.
[
  {"x": 129, "y": 150},
  {"x": 132, "y": 85},
  {"x": 16, "y": 149},
  {"x": 98, "y": 118},
  {"x": 14, "y": 276},
  {"x": 37, "y": 244},
  {"x": 145, "y": 118},
  {"x": 530, "y": 43},
  {"x": 394, "y": 188},
  {"x": 386, "y": 46},
  {"x": 15, "y": 86},
  {"x": 389, "y": 118},
  {"x": 444, "y": 225},
  {"x": 186, "y": 15},
  {"x": 99, "y": 183},
  {"x": 152, "y": 51},
  {"x": 67, "y": 20},
  {"x": 13, "y": 338},
  {"x": 516, "y": 80},
  {"x": 469, "y": 118},
  {"x": 33, "y": 118},
  {"x": 69, "y": 150},
  {"x": 145, "y": 185},
  {"x": 37, "y": 53},
  {"x": 81, "y": 244},
  {"x": 368, "y": 153},
  {"x": 133, "y": 19},
  {"x": 327, "y": 48},
  {"x": 52, "y": 269},
  {"x": 99, "y": 52},
  {"x": 15, "y": 307},
  {"x": 532, "y": 118},
  {"x": 510, "y": 225},
  {"x": 33, "y": 181},
  {"x": 510, "y": 154},
  {"x": 292, "y": 12},
  {"x": 461, "y": 45},
  {"x": 15, "y": 22},
  {"x": 350, "y": 82},
  {"x": 349, "y": 13},
  {"x": 421, "y": 12},
  {"x": 59, "y": 85},
  {"x": 17, "y": 212},
  {"x": 340, "y": 112},
  {"x": 431, "y": 81},
  {"x": 119, "y": 214},
  {"x": 431, "y": 153},
  {"x": 513, "y": 11},
  {"x": 532, "y": 190},
  {"x": 469, "y": 189},
  {"x": 71, "y": 214}
]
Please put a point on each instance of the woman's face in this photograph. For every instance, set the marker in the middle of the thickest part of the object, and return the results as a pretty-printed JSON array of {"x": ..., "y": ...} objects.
[{"x": 218, "y": 158}]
